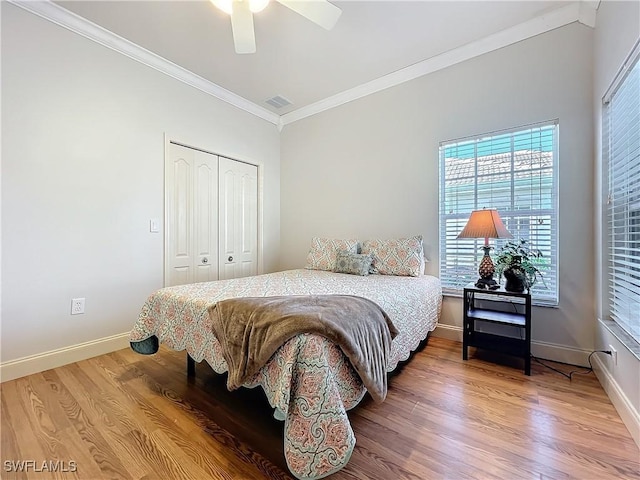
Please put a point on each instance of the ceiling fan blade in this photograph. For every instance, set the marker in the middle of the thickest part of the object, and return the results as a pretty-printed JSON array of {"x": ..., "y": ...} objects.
[
  {"x": 244, "y": 37},
  {"x": 321, "y": 12}
]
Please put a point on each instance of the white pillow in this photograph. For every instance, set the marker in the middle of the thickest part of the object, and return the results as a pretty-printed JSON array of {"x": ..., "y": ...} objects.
[
  {"x": 397, "y": 256},
  {"x": 324, "y": 251}
]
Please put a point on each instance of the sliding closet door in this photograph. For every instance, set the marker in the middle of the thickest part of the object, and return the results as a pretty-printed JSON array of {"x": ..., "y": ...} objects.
[
  {"x": 238, "y": 200},
  {"x": 192, "y": 216}
]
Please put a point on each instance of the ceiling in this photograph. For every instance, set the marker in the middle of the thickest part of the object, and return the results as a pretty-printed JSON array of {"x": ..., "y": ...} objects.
[{"x": 297, "y": 59}]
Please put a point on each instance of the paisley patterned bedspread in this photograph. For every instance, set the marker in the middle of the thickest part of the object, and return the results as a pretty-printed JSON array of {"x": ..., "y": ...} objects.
[{"x": 308, "y": 381}]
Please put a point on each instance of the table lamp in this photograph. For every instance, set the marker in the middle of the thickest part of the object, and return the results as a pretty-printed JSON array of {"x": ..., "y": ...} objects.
[{"x": 485, "y": 223}]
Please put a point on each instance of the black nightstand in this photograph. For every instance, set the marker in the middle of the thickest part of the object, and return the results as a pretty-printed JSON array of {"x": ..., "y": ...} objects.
[{"x": 498, "y": 320}]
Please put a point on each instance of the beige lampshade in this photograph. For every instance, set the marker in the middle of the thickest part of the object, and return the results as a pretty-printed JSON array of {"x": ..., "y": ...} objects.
[{"x": 485, "y": 223}]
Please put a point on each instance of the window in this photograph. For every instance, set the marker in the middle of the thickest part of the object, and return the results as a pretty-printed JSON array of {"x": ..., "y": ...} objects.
[
  {"x": 514, "y": 171},
  {"x": 621, "y": 158}
]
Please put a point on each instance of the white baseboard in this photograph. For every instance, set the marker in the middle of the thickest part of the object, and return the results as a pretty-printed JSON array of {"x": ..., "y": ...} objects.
[
  {"x": 547, "y": 351},
  {"x": 628, "y": 413},
  {"x": 56, "y": 358},
  {"x": 560, "y": 353},
  {"x": 450, "y": 332}
]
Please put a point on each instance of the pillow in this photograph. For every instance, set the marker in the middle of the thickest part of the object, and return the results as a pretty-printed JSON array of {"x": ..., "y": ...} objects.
[
  {"x": 353, "y": 263},
  {"x": 398, "y": 256},
  {"x": 322, "y": 255}
]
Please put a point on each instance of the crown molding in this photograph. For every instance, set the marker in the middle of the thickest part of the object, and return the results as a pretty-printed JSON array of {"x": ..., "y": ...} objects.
[
  {"x": 555, "y": 19},
  {"x": 583, "y": 11},
  {"x": 77, "y": 24},
  {"x": 587, "y": 12}
]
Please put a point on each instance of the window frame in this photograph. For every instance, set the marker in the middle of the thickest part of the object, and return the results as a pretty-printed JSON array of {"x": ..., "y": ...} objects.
[
  {"x": 549, "y": 300},
  {"x": 615, "y": 279}
]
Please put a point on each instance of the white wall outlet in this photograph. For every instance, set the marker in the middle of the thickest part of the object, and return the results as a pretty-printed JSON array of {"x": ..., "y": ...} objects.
[
  {"x": 77, "y": 306},
  {"x": 614, "y": 355}
]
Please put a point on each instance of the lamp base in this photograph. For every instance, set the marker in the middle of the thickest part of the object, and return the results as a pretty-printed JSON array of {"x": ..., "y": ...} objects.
[
  {"x": 487, "y": 284},
  {"x": 486, "y": 271}
]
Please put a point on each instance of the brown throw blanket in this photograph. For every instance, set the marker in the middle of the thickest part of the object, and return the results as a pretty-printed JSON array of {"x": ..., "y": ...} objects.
[{"x": 251, "y": 329}]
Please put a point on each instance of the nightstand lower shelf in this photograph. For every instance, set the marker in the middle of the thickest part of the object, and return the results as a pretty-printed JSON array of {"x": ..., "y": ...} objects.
[
  {"x": 499, "y": 321},
  {"x": 506, "y": 345}
]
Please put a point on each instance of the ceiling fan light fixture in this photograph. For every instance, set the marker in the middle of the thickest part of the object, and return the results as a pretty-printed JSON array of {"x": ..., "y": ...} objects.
[
  {"x": 258, "y": 5},
  {"x": 321, "y": 12},
  {"x": 227, "y": 5}
]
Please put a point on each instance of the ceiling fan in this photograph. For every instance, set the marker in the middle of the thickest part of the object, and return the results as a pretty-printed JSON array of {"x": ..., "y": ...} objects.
[{"x": 320, "y": 12}]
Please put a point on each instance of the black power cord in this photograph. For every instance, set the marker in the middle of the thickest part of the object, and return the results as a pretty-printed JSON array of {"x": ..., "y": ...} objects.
[{"x": 585, "y": 370}]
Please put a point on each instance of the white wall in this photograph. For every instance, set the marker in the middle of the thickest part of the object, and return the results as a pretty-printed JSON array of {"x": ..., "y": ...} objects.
[
  {"x": 370, "y": 168},
  {"x": 82, "y": 174},
  {"x": 617, "y": 29}
]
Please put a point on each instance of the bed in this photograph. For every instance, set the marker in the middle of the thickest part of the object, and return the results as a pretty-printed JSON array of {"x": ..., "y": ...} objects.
[{"x": 308, "y": 381}]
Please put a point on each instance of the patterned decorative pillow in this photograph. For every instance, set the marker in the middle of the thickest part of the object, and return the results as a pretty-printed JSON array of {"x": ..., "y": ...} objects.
[
  {"x": 353, "y": 263},
  {"x": 322, "y": 255},
  {"x": 398, "y": 256}
]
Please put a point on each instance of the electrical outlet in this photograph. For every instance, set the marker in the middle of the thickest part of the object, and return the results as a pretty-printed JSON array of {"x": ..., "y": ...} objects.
[
  {"x": 77, "y": 306},
  {"x": 614, "y": 354}
]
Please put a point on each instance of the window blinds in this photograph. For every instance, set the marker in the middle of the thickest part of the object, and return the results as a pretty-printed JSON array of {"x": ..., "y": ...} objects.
[
  {"x": 514, "y": 171},
  {"x": 621, "y": 157}
]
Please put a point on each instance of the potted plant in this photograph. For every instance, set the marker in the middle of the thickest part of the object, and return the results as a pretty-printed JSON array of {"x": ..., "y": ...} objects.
[{"x": 516, "y": 261}]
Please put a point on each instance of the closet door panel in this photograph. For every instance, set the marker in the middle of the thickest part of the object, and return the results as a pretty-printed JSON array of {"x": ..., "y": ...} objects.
[
  {"x": 211, "y": 217},
  {"x": 249, "y": 220},
  {"x": 238, "y": 193},
  {"x": 192, "y": 216},
  {"x": 206, "y": 217},
  {"x": 179, "y": 180}
]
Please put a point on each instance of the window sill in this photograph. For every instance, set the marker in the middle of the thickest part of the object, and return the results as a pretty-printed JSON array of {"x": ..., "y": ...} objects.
[{"x": 623, "y": 337}]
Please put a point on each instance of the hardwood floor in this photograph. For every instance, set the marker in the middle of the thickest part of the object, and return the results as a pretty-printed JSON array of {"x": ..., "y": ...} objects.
[{"x": 123, "y": 415}]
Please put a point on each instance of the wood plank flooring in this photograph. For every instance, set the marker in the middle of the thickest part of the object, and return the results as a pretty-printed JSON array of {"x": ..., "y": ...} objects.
[{"x": 123, "y": 415}]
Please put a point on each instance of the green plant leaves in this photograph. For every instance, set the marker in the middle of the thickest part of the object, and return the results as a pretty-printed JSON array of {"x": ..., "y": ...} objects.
[{"x": 521, "y": 255}]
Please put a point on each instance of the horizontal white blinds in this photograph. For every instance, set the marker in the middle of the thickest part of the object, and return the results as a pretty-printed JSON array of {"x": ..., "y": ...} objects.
[
  {"x": 514, "y": 172},
  {"x": 621, "y": 154}
]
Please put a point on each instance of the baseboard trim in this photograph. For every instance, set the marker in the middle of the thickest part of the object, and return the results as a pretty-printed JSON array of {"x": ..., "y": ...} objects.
[
  {"x": 56, "y": 358},
  {"x": 560, "y": 353},
  {"x": 547, "y": 351},
  {"x": 450, "y": 332},
  {"x": 628, "y": 413}
]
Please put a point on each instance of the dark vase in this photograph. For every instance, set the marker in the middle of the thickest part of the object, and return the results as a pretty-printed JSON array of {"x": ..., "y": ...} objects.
[{"x": 516, "y": 276}]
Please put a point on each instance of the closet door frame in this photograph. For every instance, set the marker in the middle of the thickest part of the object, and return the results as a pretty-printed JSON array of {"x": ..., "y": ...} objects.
[{"x": 168, "y": 139}]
